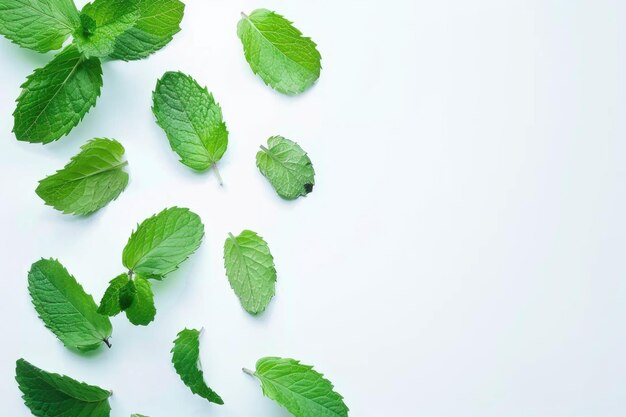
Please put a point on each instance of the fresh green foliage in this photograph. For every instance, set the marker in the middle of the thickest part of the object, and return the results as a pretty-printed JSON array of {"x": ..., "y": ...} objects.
[
  {"x": 186, "y": 360},
  {"x": 158, "y": 22},
  {"x": 103, "y": 22},
  {"x": 133, "y": 296},
  {"x": 141, "y": 310},
  {"x": 276, "y": 51},
  {"x": 191, "y": 119},
  {"x": 111, "y": 305},
  {"x": 40, "y": 25},
  {"x": 65, "y": 308},
  {"x": 56, "y": 97},
  {"x": 297, "y": 387},
  {"x": 250, "y": 270},
  {"x": 53, "y": 395},
  {"x": 89, "y": 181},
  {"x": 287, "y": 167},
  {"x": 162, "y": 242}
]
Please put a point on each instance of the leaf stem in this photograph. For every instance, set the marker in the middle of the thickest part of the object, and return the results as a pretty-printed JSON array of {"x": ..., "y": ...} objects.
[
  {"x": 245, "y": 16},
  {"x": 249, "y": 372},
  {"x": 106, "y": 342},
  {"x": 217, "y": 174},
  {"x": 263, "y": 148}
]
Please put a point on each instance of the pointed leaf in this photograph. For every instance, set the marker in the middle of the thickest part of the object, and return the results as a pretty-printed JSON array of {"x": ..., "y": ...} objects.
[
  {"x": 191, "y": 119},
  {"x": 159, "y": 21},
  {"x": 250, "y": 270},
  {"x": 91, "y": 179},
  {"x": 65, "y": 308},
  {"x": 287, "y": 167},
  {"x": 51, "y": 395},
  {"x": 40, "y": 25},
  {"x": 110, "y": 304},
  {"x": 111, "y": 18},
  {"x": 163, "y": 242},
  {"x": 299, "y": 388},
  {"x": 276, "y": 51},
  {"x": 56, "y": 97},
  {"x": 186, "y": 360},
  {"x": 141, "y": 310}
]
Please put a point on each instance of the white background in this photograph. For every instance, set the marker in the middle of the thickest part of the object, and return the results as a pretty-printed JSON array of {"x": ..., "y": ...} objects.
[{"x": 462, "y": 253}]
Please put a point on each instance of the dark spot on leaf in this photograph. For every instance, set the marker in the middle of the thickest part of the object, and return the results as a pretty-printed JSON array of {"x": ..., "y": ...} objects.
[{"x": 308, "y": 188}]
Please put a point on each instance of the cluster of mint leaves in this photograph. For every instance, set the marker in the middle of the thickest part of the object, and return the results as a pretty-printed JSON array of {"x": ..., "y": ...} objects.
[{"x": 56, "y": 97}]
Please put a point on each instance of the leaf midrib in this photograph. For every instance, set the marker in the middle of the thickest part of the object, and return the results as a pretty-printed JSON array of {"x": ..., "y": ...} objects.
[
  {"x": 284, "y": 387},
  {"x": 277, "y": 48},
  {"x": 101, "y": 171},
  {"x": 60, "y": 87},
  {"x": 63, "y": 294},
  {"x": 29, "y": 4}
]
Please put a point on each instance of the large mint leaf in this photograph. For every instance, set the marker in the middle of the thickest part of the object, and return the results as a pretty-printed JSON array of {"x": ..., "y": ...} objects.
[
  {"x": 287, "y": 167},
  {"x": 278, "y": 53},
  {"x": 191, "y": 119},
  {"x": 56, "y": 97},
  {"x": 41, "y": 25},
  {"x": 250, "y": 270},
  {"x": 186, "y": 360},
  {"x": 104, "y": 21},
  {"x": 65, "y": 308},
  {"x": 91, "y": 179},
  {"x": 53, "y": 395},
  {"x": 303, "y": 391},
  {"x": 163, "y": 242},
  {"x": 158, "y": 22}
]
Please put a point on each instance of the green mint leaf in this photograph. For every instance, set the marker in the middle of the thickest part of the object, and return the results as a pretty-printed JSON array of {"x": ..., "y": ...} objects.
[
  {"x": 191, "y": 119},
  {"x": 127, "y": 294},
  {"x": 300, "y": 389},
  {"x": 287, "y": 167},
  {"x": 41, "y": 25},
  {"x": 159, "y": 21},
  {"x": 65, "y": 308},
  {"x": 141, "y": 310},
  {"x": 56, "y": 97},
  {"x": 111, "y": 18},
  {"x": 110, "y": 304},
  {"x": 250, "y": 270},
  {"x": 91, "y": 179},
  {"x": 50, "y": 395},
  {"x": 276, "y": 51},
  {"x": 186, "y": 360},
  {"x": 162, "y": 242}
]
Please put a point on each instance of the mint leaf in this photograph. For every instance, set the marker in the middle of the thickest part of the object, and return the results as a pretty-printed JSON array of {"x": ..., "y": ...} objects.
[
  {"x": 287, "y": 167},
  {"x": 56, "y": 97},
  {"x": 110, "y": 304},
  {"x": 91, "y": 179},
  {"x": 41, "y": 25},
  {"x": 65, "y": 308},
  {"x": 106, "y": 21},
  {"x": 127, "y": 294},
  {"x": 250, "y": 270},
  {"x": 186, "y": 360},
  {"x": 141, "y": 310},
  {"x": 300, "y": 389},
  {"x": 159, "y": 21},
  {"x": 163, "y": 242},
  {"x": 50, "y": 395},
  {"x": 191, "y": 119},
  {"x": 276, "y": 51}
]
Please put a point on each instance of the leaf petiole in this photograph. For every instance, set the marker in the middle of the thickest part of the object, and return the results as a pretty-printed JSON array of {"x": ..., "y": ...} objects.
[{"x": 249, "y": 372}]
